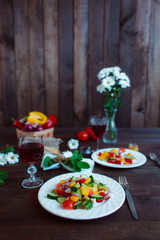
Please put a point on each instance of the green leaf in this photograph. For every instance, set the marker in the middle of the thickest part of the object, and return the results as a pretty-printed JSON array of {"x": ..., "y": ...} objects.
[
  {"x": 48, "y": 162},
  {"x": 8, "y": 149},
  {"x": 3, "y": 175},
  {"x": 1, "y": 182},
  {"x": 84, "y": 165}
]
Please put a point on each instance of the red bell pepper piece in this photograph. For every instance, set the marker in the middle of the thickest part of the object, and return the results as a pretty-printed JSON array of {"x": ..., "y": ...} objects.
[
  {"x": 51, "y": 122},
  {"x": 18, "y": 124}
]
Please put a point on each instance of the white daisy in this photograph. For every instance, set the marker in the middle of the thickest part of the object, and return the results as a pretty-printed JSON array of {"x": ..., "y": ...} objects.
[
  {"x": 108, "y": 82},
  {"x": 73, "y": 143},
  {"x": 12, "y": 158},
  {"x": 67, "y": 154},
  {"x": 2, "y": 159},
  {"x": 101, "y": 88}
]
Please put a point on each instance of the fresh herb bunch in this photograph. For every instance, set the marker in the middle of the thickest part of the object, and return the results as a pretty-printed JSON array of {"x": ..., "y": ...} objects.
[
  {"x": 8, "y": 149},
  {"x": 76, "y": 162},
  {"x": 48, "y": 161},
  {"x": 3, "y": 176}
]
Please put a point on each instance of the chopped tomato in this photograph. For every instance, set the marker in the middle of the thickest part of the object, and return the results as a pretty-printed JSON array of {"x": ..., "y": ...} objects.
[
  {"x": 82, "y": 180},
  {"x": 68, "y": 204},
  {"x": 118, "y": 156},
  {"x": 106, "y": 197},
  {"x": 118, "y": 162},
  {"x": 129, "y": 160},
  {"x": 99, "y": 154},
  {"x": 112, "y": 155},
  {"x": 122, "y": 149},
  {"x": 102, "y": 194},
  {"x": 90, "y": 193},
  {"x": 99, "y": 200},
  {"x": 60, "y": 191}
]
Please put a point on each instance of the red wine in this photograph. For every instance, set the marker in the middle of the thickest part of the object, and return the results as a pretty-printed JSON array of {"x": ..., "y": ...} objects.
[
  {"x": 98, "y": 130},
  {"x": 31, "y": 152}
]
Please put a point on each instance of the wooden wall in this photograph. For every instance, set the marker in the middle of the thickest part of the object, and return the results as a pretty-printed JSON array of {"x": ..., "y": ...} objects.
[{"x": 52, "y": 50}]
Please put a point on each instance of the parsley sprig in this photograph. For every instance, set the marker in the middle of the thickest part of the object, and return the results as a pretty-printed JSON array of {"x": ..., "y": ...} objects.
[
  {"x": 76, "y": 162},
  {"x": 3, "y": 176}
]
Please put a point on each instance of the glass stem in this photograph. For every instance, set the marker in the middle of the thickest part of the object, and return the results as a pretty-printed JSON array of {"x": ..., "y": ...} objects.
[
  {"x": 32, "y": 170},
  {"x": 98, "y": 143}
]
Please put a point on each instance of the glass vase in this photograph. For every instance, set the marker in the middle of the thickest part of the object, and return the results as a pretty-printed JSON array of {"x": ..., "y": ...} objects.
[{"x": 110, "y": 135}]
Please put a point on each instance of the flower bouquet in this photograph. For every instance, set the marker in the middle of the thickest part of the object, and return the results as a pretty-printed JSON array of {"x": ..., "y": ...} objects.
[{"x": 112, "y": 83}]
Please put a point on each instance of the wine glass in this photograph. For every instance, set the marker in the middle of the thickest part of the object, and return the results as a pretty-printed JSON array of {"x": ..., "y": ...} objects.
[
  {"x": 98, "y": 125},
  {"x": 30, "y": 151}
]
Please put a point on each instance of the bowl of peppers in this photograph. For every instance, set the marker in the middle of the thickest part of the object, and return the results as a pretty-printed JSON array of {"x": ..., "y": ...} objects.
[{"x": 35, "y": 124}]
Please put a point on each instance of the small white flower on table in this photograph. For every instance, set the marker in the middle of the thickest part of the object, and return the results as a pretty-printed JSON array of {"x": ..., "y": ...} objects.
[
  {"x": 3, "y": 160},
  {"x": 67, "y": 154},
  {"x": 73, "y": 143},
  {"x": 12, "y": 158}
]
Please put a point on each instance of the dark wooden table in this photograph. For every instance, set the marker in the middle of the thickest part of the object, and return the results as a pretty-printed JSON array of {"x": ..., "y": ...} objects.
[{"x": 22, "y": 217}]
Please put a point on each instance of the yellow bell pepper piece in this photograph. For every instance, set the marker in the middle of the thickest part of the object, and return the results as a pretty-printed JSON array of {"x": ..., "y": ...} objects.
[
  {"x": 62, "y": 181},
  {"x": 85, "y": 190},
  {"x": 71, "y": 184},
  {"x": 87, "y": 180},
  {"x": 74, "y": 198},
  {"x": 37, "y": 117}
]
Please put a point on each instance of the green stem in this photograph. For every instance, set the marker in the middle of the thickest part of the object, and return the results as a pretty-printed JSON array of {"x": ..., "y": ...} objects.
[{"x": 112, "y": 132}]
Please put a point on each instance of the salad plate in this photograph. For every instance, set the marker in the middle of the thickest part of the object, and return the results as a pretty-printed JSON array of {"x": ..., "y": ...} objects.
[
  {"x": 140, "y": 159},
  {"x": 117, "y": 198}
]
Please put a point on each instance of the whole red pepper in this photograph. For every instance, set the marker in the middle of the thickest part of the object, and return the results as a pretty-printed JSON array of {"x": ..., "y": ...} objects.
[
  {"x": 51, "y": 122},
  {"x": 18, "y": 124}
]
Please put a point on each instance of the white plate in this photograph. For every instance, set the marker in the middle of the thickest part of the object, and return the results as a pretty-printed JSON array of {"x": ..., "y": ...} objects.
[
  {"x": 140, "y": 159},
  {"x": 104, "y": 209}
]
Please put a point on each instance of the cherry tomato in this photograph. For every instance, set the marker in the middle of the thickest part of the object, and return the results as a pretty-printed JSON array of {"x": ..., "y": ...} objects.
[
  {"x": 91, "y": 133},
  {"x": 129, "y": 160},
  {"x": 68, "y": 204},
  {"x": 60, "y": 191},
  {"x": 99, "y": 154},
  {"x": 82, "y": 136},
  {"x": 122, "y": 150}
]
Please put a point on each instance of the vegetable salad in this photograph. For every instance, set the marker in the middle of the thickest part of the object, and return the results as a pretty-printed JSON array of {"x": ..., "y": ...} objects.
[
  {"x": 79, "y": 192},
  {"x": 117, "y": 156}
]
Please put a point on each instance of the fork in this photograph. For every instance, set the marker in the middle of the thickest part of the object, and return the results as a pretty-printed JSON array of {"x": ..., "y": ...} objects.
[
  {"x": 154, "y": 157},
  {"x": 123, "y": 182}
]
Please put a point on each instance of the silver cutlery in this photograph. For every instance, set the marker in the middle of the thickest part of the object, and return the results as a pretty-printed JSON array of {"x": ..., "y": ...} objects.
[
  {"x": 123, "y": 182},
  {"x": 154, "y": 157}
]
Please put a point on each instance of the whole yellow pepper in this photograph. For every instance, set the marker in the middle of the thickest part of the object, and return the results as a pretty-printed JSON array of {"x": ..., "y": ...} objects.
[{"x": 37, "y": 117}]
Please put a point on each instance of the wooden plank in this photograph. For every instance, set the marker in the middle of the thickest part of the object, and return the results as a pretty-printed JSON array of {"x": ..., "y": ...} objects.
[
  {"x": 140, "y": 63},
  {"x": 126, "y": 43},
  {"x": 1, "y": 79},
  {"x": 66, "y": 62},
  {"x": 111, "y": 32},
  {"x": 36, "y": 55},
  {"x": 22, "y": 57},
  {"x": 95, "y": 55},
  {"x": 8, "y": 62},
  {"x": 152, "y": 114},
  {"x": 80, "y": 61},
  {"x": 51, "y": 58}
]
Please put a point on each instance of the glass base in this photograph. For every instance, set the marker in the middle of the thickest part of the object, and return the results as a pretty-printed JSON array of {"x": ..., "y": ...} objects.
[
  {"x": 105, "y": 140},
  {"x": 32, "y": 183}
]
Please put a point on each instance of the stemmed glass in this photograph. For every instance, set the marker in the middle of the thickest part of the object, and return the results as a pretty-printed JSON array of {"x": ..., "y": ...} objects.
[
  {"x": 98, "y": 125},
  {"x": 31, "y": 150}
]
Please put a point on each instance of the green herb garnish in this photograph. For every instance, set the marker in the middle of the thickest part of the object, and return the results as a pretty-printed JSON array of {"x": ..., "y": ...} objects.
[
  {"x": 76, "y": 162},
  {"x": 3, "y": 176},
  {"x": 48, "y": 161},
  {"x": 8, "y": 149}
]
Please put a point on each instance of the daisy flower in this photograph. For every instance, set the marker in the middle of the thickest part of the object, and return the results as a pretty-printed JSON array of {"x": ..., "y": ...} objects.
[
  {"x": 101, "y": 88},
  {"x": 67, "y": 154},
  {"x": 12, "y": 158},
  {"x": 2, "y": 159},
  {"x": 73, "y": 143}
]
